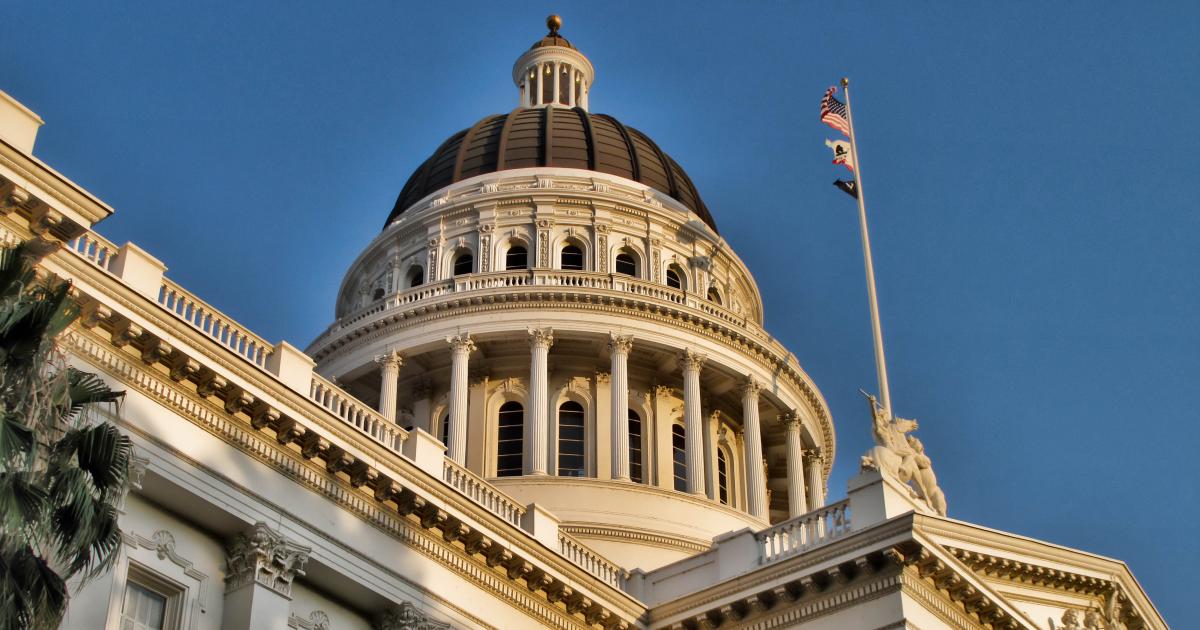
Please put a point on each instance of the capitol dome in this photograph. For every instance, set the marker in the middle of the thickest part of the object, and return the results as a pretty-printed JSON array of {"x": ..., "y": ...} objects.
[
  {"x": 550, "y": 302},
  {"x": 551, "y": 137}
]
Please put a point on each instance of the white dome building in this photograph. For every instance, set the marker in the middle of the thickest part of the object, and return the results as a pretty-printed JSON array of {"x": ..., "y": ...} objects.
[
  {"x": 547, "y": 401},
  {"x": 551, "y": 300}
]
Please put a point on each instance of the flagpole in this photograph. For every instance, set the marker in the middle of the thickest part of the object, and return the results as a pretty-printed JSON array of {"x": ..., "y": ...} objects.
[{"x": 885, "y": 398}]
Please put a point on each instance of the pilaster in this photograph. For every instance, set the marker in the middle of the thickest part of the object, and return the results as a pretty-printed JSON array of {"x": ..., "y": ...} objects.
[
  {"x": 691, "y": 362},
  {"x": 262, "y": 564},
  {"x": 538, "y": 428}
]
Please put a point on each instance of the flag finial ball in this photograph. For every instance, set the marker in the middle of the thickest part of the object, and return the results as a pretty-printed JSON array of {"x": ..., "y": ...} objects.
[
  {"x": 845, "y": 82},
  {"x": 554, "y": 23}
]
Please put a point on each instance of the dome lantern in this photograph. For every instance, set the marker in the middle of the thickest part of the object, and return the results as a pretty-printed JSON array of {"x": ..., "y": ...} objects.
[{"x": 553, "y": 72}]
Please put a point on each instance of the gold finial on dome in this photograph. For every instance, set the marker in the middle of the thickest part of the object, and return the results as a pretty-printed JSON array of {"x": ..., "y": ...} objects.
[{"x": 554, "y": 22}]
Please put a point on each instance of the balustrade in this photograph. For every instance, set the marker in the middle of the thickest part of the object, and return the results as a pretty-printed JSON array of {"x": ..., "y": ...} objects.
[
  {"x": 583, "y": 557},
  {"x": 356, "y": 414},
  {"x": 797, "y": 535},
  {"x": 481, "y": 492},
  {"x": 213, "y": 323},
  {"x": 95, "y": 249}
]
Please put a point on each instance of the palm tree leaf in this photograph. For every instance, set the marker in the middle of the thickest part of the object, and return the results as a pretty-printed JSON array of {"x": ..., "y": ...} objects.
[
  {"x": 22, "y": 502},
  {"x": 100, "y": 451},
  {"x": 85, "y": 388},
  {"x": 15, "y": 439}
]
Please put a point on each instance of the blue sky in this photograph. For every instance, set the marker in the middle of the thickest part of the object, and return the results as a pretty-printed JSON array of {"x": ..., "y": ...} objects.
[{"x": 1030, "y": 167}]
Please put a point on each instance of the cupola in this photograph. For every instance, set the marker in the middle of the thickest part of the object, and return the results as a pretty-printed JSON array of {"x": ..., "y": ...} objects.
[{"x": 552, "y": 72}]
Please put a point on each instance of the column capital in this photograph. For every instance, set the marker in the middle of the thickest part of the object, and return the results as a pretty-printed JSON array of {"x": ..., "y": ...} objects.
[
  {"x": 791, "y": 421},
  {"x": 541, "y": 337},
  {"x": 691, "y": 360},
  {"x": 662, "y": 391},
  {"x": 263, "y": 556},
  {"x": 814, "y": 455},
  {"x": 620, "y": 344},
  {"x": 603, "y": 377},
  {"x": 404, "y": 617},
  {"x": 390, "y": 359},
  {"x": 461, "y": 343},
  {"x": 751, "y": 387}
]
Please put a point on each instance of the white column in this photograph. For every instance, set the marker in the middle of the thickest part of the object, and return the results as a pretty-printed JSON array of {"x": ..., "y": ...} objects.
[
  {"x": 816, "y": 486},
  {"x": 537, "y": 430},
  {"x": 619, "y": 347},
  {"x": 460, "y": 350},
  {"x": 692, "y": 423},
  {"x": 797, "y": 500},
  {"x": 390, "y": 375},
  {"x": 756, "y": 485},
  {"x": 557, "y": 81},
  {"x": 711, "y": 421},
  {"x": 571, "y": 87},
  {"x": 541, "y": 75}
]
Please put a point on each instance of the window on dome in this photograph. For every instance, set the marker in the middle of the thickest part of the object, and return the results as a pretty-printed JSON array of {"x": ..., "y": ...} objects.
[
  {"x": 564, "y": 86},
  {"x": 377, "y": 294},
  {"x": 571, "y": 440},
  {"x": 464, "y": 263},
  {"x": 714, "y": 295},
  {"x": 679, "y": 457},
  {"x": 416, "y": 277},
  {"x": 578, "y": 91},
  {"x": 635, "y": 447},
  {"x": 445, "y": 431},
  {"x": 517, "y": 257},
  {"x": 674, "y": 277},
  {"x": 625, "y": 263},
  {"x": 510, "y": 436},
  {"x": 547, "y": 83},
  {"x": 722, "y": 476},
  {"x": 571, "y": 258}
]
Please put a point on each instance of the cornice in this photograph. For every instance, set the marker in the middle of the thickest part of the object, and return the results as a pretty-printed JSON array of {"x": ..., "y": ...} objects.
[
  {"x": 500, "y": 573},
  {"x": 86, "y": 209},
  {"x": 637, "y": 536}
]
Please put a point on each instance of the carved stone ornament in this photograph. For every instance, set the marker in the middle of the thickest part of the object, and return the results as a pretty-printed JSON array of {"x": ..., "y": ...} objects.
[
  {"x": 620, "y": 344},
  {"x": 541, "y": 337},
  {"x": 691, "y": 360},
  {"x": 407, "y": 617},
  {"x": 263, "y": 556},
  {"x": 317, "y": 620},
  {"x": 461, "y": 343},
  {"x": 901, "y": 456}
]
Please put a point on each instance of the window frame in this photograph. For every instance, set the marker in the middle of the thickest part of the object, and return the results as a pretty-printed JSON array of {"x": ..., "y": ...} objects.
[
  {"x": 172, "y": 592},
  {"x": 520, "y": 440},
  {"x": 679, "y": 456},
  {"x": 634, "y": 260},
  {"x": 459, "y": 256},
  {"x": 582, "y": 441},
  {"x": 582, "y": 257}
]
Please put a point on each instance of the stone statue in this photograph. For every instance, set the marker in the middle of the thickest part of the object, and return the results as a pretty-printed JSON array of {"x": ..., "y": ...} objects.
[
  {"x": 1091, "y": 620},
  {"x": 1112, "y": 613},
  {"x": 1070, "y": 620},
  {"x": 902, "y": 456},
  {"x": 927, "y": 484}
]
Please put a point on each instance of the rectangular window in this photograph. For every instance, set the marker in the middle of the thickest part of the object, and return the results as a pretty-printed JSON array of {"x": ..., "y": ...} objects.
[{"x": 150, "y": 601}]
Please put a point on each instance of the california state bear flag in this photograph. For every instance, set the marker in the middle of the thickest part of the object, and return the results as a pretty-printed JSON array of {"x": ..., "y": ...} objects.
[{"x": 841, "y": 153}]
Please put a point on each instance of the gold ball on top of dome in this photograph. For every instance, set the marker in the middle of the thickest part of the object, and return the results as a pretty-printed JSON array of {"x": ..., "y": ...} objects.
[{"x": 554, "y": 22}]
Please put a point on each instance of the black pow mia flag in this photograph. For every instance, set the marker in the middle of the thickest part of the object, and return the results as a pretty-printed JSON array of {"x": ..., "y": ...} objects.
[{"x": 848, "y": 187}]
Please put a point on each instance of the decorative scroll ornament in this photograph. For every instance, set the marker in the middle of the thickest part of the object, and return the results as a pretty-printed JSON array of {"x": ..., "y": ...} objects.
[
  {"x": 264, "y": 556},
  {"x": 901, "y": 456},
  {"x": 620, "y": 344},
  {"x": 407, "y": 617}
]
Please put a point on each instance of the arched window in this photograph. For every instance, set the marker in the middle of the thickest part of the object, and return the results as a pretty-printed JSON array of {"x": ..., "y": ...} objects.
[
  {"x": 510, "y": 436},
  {"x": 564, "y": 85},
  {"x": 445, "y": 434},
  {"x": 416, "y": 277},
  {"x": 714, "y": 295},
  {"x": 571, "y": 258},
  {"x": 464, "y": 263},
  {"x": 548, "y": 83},
  {"x": 625, "y": 263},
  {"x": 517, "y": 257},
  {"x": 570, "y": 439},
  {"x": 635, "y": 447},
  {"x": 378, "y": 294},
  {"x": 679, "y": 457},
  {"x": 722, "y": 476},
  {"x": 674, "y": 278}
]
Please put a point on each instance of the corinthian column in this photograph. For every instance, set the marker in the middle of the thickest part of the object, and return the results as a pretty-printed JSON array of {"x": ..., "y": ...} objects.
[
  {"x": 816, "y": 487},
  {"x": 262, "y": 564},
  {"x": 797, "y": 501},
  {"x": 693, "y": 427},
  {"x": 619, "y": 347},
  {"x": 460, "y": 350},
  {"x": 538, "y": 429},
  {"x": 756, "y": 485},
  {"x": 390, "y": 374}
]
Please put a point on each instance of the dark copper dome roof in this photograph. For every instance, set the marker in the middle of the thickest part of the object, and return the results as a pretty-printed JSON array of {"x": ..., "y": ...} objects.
[{"x": 556, "y": 137}]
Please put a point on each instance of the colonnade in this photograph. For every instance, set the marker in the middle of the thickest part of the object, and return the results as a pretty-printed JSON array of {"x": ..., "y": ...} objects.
[
  {"x": 804, "y": 466},
  {"x": 534, "y": 91}
]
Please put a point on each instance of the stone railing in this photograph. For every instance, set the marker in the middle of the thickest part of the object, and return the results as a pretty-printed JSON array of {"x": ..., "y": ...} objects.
[
  {"x": 592, "y": 562},
  {"x": 480, "y": 491},
  {"x": 95, "y": 249},
  {"x": 503, "y": 280},
  {"x": 799, "y": 534},
  {"x": 214, "y": 323},
  {"x": 354, "y": 413}
]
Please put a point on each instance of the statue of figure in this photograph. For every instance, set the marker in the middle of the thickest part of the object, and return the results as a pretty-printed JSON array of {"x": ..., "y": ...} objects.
[
  {"x": 927, "y": 483},
  {"x": 1070, "y": 620},
  {"x": 1112, "y": 613},
  {"x": 1091, "y": 620}
]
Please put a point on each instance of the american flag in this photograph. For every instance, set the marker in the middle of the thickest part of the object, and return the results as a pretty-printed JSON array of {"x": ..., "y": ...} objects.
[{"x": 833, "y": 112}]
